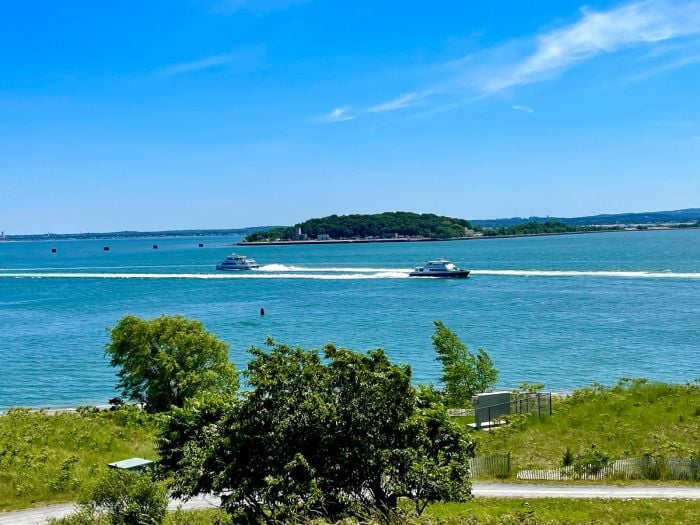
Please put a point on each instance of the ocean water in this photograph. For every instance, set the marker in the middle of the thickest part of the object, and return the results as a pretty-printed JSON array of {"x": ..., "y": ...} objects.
[{"x": 562, "y": 310}]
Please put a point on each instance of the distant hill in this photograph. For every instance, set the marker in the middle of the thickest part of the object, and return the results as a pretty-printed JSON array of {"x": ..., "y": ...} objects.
[
  {"x": 650, "y": 217},
  {"x": 137, "y": 234}
]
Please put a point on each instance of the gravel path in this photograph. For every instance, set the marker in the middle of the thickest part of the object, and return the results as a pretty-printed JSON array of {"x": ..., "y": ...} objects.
[{"x": 39, "y": 516}]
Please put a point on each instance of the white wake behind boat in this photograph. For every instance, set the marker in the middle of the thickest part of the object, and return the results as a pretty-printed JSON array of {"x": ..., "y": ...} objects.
[
  {"x": 237, "y": 262},
  {"x": 439, "y": 268}
]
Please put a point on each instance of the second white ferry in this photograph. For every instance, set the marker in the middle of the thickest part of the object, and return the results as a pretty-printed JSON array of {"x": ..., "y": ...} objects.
[{"x": 237, "y": 262}]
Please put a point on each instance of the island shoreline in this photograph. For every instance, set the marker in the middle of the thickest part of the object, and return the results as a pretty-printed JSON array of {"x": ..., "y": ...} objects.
[{"x": 316, "y": 242}]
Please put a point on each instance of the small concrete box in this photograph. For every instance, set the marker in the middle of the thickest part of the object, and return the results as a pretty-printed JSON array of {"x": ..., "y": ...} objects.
[
  {"x": 489, "y": 406},
  {"x": 133, "y": 464}
]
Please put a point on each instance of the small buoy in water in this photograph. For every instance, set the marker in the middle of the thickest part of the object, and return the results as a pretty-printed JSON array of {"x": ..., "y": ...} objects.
[
  {"x": 53, "y": 250},
  {"x": 105, "y": 248},
  {"x": 201, "y": 245},
  {"x": 155, "y": 246},
  {"x": 262, "y": 311}
]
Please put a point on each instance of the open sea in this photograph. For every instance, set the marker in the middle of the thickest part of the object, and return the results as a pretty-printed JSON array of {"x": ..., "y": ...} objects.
[{"x": 560, "y": 310}]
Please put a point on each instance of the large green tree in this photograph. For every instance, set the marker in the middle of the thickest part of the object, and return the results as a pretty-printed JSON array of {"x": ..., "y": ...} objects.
[
  {"x": 326, "y": 434},
  {"x": 165, "y": 362},
  {"x": 464, "y": 374}
]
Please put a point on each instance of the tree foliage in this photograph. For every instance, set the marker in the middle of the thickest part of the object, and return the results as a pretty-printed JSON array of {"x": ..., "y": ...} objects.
[
  {"x": 166, "y": 361},
  {"x": 328, "y": 435},
  {"x": 464, "y": 374},
  {"x": 361, "y": 225},
  {"x": 539, "y": 228}
]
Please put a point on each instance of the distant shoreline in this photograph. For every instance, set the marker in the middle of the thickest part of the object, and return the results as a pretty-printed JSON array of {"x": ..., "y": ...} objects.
[
  {"x": 110, "y": 236},
  {"x": 117, "y": 238},
  {"x": 107, "y": 237},
  {"x": 472, "y": 238}
]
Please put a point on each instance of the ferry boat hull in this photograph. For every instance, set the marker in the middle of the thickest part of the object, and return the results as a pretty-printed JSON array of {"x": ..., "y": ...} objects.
[
  {"x": 459, "y": 274},
  {"x": 223, "y": 268}
]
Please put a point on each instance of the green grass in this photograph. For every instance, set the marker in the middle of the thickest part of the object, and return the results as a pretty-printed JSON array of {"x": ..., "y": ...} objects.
[
  {"x": 197, "y": 517},
  {"x": 46, "y": 458},
  {"x": 509, "y": 512},
  {"x": 521, "y": 512},
  {"x": 566, "y": 511},
  {"x": 631, "y": 419},
  {"x": 177, "y": 517}
]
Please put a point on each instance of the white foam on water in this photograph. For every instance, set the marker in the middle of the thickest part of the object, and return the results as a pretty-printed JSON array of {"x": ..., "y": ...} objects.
[
  {"x": 222, "y": 276},
  {"x": 329, "y": 274},
  {"x": 601, "y": 273},
  {"x": 292, "y": 268}
]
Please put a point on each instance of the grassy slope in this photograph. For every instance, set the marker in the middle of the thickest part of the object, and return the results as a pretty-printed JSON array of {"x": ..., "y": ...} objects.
[
  {"x": 50, "y": 458},
  {"x": 628, "y": 420}
]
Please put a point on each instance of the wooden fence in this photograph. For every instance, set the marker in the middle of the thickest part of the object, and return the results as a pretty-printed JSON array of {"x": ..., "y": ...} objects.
[
  {"x": 644, "y": 467},
  {"x": 495, "y": 465}
]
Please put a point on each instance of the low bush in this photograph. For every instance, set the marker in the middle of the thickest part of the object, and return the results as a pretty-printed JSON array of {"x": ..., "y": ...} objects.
[{"x": 121, "y": 498}]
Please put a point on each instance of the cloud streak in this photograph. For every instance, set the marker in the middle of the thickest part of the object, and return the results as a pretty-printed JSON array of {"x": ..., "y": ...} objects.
[
  {"x": 257, "y": 7},
  {"x": 337, "y": 115},
  {"x": 638, "y": 25},
  {"x": 246, "y": 58},
  {"x": 404, "y": 101},
  {"x": 597, "y": 33},
  {"x": 197, "y": 65}
]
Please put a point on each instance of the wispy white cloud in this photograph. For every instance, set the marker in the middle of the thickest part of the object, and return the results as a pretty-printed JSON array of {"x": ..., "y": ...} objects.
[
  {"x": 666, "y": 67},
  {"x": 197, "y": 65},
  {"x": 404, "y": 101},
  {"x": 258, "y": 7},
  {"x": 600, "y": 32},
  {"x": 525, "y": 109},
  {"x": 660, "y": 29},
  {"x": 245, "y": 58},
  {"x": 337, "y": 115}
]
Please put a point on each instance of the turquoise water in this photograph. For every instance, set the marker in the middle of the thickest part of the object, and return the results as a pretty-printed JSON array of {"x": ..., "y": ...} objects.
[{"x": 564, "y": 311}]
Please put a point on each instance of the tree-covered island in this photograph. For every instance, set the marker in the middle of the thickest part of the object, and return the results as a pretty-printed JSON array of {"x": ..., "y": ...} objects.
[
  {"x": 376, "y": 226},
  {"x": 405, "y": 226}
]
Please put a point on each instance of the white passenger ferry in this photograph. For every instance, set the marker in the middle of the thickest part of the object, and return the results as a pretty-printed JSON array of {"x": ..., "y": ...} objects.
[
  {"x": 237, "y": 262},
  {"x": 439, "y": 268}
]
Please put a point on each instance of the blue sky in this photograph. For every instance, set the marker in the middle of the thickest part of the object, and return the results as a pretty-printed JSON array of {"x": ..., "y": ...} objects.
[{"x": 231, "y": 113}]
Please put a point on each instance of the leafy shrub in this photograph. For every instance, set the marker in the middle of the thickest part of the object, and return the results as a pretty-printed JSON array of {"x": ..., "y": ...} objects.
[
  {"x": 122, "y": 498},
  {"x": 590, "y": 462},
  {"x": 129, "y": 498}
]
